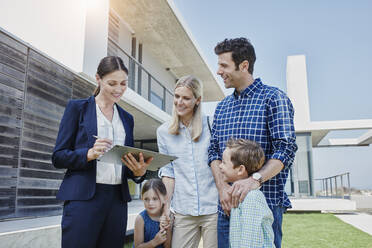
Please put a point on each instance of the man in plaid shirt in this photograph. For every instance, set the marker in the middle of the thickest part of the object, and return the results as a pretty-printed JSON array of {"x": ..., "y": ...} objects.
[{"x": 257, "y": 112}]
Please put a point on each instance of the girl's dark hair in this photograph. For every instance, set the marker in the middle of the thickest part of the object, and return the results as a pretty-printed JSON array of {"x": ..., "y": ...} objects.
[
  {"x": 155, "y": 184},
  {"x": 107, "y": 65}
]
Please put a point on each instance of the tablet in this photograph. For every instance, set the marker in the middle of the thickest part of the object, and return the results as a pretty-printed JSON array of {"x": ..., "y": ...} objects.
[{"x": 115, "y": 153}]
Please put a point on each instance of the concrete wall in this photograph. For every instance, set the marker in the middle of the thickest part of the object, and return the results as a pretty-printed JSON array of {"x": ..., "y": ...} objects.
[
  {"x": 52, "y": 26},
  {"x": 96, "y": 34},
  {"x": 155, "y": 68},
  {"x": 125, "y": 37},
  {"x": 362, "y": 201},
  {"x": 297, "y": 90}
]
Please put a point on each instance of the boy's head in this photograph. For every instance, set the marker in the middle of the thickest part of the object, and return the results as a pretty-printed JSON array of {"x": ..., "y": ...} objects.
[{"x": 241, "y": 159}]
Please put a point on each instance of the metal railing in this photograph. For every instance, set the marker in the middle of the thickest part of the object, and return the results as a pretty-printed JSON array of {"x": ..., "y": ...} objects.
[
  {"x": 337, "y": 186},
  {"x": 142, "y": 81}
]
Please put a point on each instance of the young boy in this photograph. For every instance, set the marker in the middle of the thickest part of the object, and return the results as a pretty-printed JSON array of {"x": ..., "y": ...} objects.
[{"x": 251, "y": 222}]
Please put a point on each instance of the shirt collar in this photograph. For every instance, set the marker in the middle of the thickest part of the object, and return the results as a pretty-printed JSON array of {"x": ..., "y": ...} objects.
[
  {"x": 182, "y": 126},
  {"x": 115, "y": 116},
  {"x": 257, "y": 83}
]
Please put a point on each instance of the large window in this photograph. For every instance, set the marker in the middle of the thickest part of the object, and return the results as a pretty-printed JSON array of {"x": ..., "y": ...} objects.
[
  {"x": 299, "y": 181},
  {"x": 157, "y": 100}
]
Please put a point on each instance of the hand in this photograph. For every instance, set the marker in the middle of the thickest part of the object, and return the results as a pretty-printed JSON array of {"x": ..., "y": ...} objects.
[
  {"x": 137, "y": 167},
  {"x": 160, "y": 237},
  {"x": 225, "y": 199},
  {"x": 165, "y": 221},
  {"x": 99, "y": 148},
  {"x": 240, "y": 189}
]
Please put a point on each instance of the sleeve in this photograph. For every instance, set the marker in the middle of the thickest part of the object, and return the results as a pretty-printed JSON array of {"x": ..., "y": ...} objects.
[
  {"x": 64, "y": 155},
  {"x": 281, "y": 128},
  {"x": 253, "y": 216},
  {"x": 168, "y": 170},
  {"x": 214, "y": 147}
]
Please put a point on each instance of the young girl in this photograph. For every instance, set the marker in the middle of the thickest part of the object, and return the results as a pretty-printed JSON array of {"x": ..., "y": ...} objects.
[{"x": 148, "y": 232}]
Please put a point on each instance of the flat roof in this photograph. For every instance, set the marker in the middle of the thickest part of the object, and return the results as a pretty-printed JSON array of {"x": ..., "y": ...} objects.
[{"x": 158, "y": 25}]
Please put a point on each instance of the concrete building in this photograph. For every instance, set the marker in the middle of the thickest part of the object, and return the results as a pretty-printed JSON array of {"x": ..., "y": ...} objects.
[
  {"x": 313, "y": 134},
  {"x": 49, "y": 52}
]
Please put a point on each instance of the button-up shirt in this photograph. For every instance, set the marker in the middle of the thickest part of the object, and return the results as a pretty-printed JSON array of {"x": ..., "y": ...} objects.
[
  {"x": 263, "y": 114},
  {"x": 195, "y": 192},
  {"x": 108, "y": 173},
  {"x": 251, "y": 223}
]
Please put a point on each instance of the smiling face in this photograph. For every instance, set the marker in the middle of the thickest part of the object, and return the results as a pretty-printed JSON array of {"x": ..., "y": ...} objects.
[
  {"x": 152, "y": 203},
  {"x": 232, "y": 78},
  {"x": 228, "y": 171},
  {"x": 113, "y": 85},
  {"x": 184, "y": 102}
]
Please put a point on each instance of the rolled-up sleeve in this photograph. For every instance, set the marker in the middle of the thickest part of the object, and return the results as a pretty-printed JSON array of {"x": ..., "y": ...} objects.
[
  {"x": 281, "y": 128},
  {"x": 167, "y": 170},
  {"x": 214, "y": 147}
]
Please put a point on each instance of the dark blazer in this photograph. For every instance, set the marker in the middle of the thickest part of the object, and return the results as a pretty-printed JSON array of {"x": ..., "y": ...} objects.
[{"x": 75, "y": 138}]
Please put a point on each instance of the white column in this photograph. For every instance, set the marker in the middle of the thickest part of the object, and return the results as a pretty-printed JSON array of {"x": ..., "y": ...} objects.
[
  {"x": 297, "y": 89},
  {"x": 96, "y": 35}
]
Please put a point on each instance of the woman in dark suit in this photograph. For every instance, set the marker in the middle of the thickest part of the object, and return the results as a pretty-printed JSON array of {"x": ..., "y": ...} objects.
[{"x": 96, "y": 193}]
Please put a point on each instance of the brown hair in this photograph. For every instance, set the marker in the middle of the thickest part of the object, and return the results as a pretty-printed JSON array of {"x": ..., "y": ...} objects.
[
  {"x": 107, "y": 65},
  {"x": 155, "y": 184},
  {"x": 246, "y": 152}
]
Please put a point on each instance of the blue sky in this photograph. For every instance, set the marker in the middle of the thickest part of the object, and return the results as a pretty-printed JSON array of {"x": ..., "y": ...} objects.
[{"x": 336, "y": 38}]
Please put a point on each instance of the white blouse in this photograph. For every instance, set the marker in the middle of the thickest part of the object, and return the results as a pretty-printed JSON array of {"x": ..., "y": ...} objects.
[{"x": 109, "y": 173}]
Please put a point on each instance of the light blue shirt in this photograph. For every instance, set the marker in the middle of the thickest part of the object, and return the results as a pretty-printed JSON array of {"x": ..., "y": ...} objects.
[
  {"x": 195, "y": 192},
  {"x": 251, "y": 223}
]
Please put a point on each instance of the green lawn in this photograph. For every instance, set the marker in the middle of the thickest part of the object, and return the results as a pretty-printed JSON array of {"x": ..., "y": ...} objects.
[
  {"x": 323, "y": 231},
  {"x": 319, "y": 231}
]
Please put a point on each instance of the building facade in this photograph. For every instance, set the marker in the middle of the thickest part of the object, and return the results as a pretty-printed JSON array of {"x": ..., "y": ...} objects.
[{"x": 49, "y": 52}]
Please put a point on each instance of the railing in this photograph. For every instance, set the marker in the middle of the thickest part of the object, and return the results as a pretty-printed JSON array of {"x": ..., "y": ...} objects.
[
  {"x": 337, "y": 186},
  {"x": 141, "y": 80}
]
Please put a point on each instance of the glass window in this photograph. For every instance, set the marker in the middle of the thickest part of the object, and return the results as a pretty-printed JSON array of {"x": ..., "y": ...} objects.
[{"x": 157, "y": 100}]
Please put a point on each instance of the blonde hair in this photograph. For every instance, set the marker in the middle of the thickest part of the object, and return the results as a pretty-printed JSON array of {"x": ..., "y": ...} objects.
[{"x": 196, "y": 87}]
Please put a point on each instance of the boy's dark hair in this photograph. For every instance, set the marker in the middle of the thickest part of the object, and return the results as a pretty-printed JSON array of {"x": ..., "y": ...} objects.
[
  {"x": 155, "y": 184},
  {"x": 241, "y": 49},
  {"x": 246, "y": 152},
  {"x": 107, "y": 65}
]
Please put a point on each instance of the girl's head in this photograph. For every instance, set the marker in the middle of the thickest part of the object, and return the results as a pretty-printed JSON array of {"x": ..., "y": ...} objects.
[
  {"x": 112, "y": 78},
  {"x": 187, "y": 105},
  {"x": 153, "y": 194}
]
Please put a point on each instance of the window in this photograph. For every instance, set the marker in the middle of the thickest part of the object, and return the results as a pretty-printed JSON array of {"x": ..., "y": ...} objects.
[{"x": 157, "y": 100}]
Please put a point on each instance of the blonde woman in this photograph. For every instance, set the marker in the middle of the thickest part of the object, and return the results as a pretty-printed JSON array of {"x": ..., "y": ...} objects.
[{"x": 191, "y": 192}]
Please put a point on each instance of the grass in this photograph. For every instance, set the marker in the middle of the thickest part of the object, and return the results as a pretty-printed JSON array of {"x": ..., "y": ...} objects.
[
  {"x": 323, "y": 231},
  {"x": 319, "y": 231},
  {"x": 130, "y": 245}
]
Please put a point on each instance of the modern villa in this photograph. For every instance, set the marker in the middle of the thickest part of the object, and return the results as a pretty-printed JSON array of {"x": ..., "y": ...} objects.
[{"x": 49, "y": 53}]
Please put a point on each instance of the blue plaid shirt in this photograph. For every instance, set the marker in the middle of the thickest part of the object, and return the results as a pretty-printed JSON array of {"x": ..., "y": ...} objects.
[{"x": 264, "y": 114}]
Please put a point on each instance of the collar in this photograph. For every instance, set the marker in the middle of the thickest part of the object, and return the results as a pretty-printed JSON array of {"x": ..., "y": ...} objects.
[
  {"x": 183, "y": 126},
  {"x": 257, "y": 83}
]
